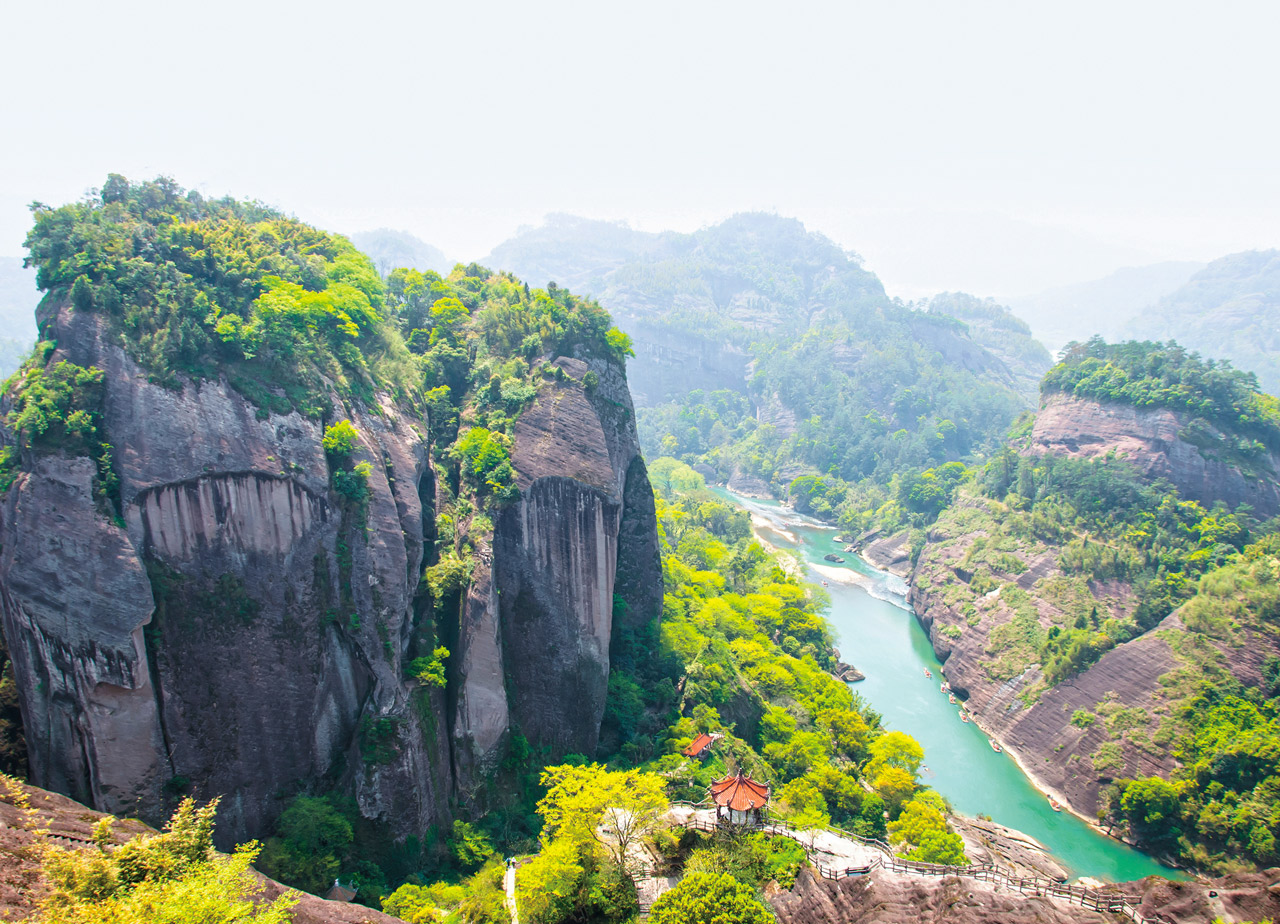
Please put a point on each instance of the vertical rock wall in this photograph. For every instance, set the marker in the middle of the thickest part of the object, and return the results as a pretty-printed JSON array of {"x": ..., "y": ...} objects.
[
  {"x": 580, "y": 544},
  {"x": 241, "y": 631}
]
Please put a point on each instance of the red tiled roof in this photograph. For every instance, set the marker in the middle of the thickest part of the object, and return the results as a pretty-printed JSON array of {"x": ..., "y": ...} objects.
[
  {"x": 739, "y": 793},
  {"x": 700, "y": 744}
]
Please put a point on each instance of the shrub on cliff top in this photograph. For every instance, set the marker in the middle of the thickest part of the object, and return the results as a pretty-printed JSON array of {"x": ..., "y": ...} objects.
[{"x": 202, "y": 286}]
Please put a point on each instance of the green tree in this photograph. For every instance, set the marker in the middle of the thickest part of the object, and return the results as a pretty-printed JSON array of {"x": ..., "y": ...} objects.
[
  {"x": 341, "y": 440},
  {"x": 613, "y": 808},
  {"x": 895, "y": 749},
  {"x": 311, "y": 838},
  {"x": 709, "y": 898},
  {"x": 170, "y": 878},
  {"x": 923, "y": 827},
  {"x": 470, "y": 848}
]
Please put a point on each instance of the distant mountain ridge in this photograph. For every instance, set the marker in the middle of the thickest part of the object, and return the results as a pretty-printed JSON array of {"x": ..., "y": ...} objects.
[
  {"x": 766, "y": 351},
  {"x": 18, "y": 299},
  {"x": 1100, "y": 306},
  {"x": 390, "y": 249},
  {"x": 1228, "y": 310}
]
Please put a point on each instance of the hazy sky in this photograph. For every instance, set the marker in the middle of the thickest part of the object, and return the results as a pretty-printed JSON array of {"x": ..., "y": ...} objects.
[{"x": 995, "y": 147}]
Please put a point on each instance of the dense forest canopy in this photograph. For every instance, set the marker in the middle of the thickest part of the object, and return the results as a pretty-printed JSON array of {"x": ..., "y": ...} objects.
[{"x": 201, "y": 287}]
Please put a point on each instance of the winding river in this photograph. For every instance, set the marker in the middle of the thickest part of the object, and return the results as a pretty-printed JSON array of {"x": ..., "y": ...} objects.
[{"x": 878, "y": 635}]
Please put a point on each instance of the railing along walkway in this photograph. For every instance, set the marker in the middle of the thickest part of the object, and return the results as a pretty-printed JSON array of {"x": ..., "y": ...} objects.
[{"x": 1027, "y": 885}]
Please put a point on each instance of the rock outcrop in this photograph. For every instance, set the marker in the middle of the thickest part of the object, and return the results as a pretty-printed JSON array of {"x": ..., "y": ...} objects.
[
  {"x": 578, "y": 550},
  {"x": 1197, "y": 459},
  {"x": 890, "y": 553},
  {"x": 893, "y": 899},
  {"x": 240, "y": 629},
  {"x": 68, "y": 824},
  {"x": 885, "y": 898},
  {"x": 1008, "y": 698}
]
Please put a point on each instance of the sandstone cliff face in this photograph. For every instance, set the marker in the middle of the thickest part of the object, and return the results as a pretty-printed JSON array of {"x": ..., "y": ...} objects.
[
  {"x": 1127, "y": 699},
  {"x": 884, "y": 898},
  {"x": 238, "y": 631},
  {"x": 576, "y": 550},
  {"x": 1197, "y": 460},
  {"x": 888, "y": 899}
]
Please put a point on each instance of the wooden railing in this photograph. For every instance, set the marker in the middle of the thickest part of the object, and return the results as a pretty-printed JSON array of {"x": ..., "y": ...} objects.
[{"x": 1026, "y": 885}]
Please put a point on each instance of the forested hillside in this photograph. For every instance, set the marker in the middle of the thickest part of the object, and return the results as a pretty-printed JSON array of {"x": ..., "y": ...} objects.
[
  {"x": 1230, "y": 310},
  {"x": 1091, "y": 613},
  {"x": 765, "y": 352}
]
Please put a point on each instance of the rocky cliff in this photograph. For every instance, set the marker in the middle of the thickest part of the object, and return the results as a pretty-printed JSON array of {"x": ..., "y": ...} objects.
[
  {"x": 1199, "y": 459},
  {"x": 578, "y": 550},
  {"x": 1002, "y": 686},
  {"x": 241, "y": 629},
  {"x": 888, "y": 899}
]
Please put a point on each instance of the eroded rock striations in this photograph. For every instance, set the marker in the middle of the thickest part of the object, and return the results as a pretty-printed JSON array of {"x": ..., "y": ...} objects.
[
  {"x": 238, "y": 629},
  {"x": 1195, "y": 457},
  {"x": 579, "y": 548},
  {"x": 885, "y": 898},
  {"x": 1114, "y": 719}
]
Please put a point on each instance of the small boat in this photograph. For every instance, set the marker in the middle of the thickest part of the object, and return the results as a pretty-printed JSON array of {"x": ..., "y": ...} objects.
[
  {"x": 995, "y": 746},
  {"x": 951, "y": 698},
  {"x": 964, "y": 717},
  {"x": 1054, "y": 804},
  {"x": 928, "y": 674},
  {"x": 945, "y": 688}
]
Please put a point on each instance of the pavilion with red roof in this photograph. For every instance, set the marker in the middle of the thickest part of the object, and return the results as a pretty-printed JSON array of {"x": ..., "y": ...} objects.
[
  {"x": 701, "y": 746},
  {"x": 740, "y": 799}
]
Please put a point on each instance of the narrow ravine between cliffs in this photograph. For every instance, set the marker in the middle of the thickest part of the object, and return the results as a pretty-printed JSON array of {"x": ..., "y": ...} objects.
[{"x": 877, "y": 633}]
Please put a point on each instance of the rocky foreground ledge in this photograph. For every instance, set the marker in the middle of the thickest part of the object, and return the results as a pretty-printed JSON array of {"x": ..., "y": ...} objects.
[
  {"x": 70, "y": 824},
  {"x": 885, "y": 898}
]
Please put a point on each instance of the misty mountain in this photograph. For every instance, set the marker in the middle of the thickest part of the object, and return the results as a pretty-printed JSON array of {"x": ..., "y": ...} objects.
[
  {"x": 765, "y": 351},
  {"x": 694, "y": 303},
  {"x": 1100, "y": 306},
  {"x": 18, "y": 300},
  {"x": 390, "y": 249},
  {"x": 1228, "y": 310},
  {"x": 995, "y": 327}
]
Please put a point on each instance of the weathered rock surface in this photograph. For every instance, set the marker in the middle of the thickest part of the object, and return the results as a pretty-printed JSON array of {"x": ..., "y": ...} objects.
[
  {"x": 576, "y": 550},
  {"x": 237, "y": 631},
  {"x": 1012, "y": 851},
  {"x": 1034, "y": 722},
  {"x": 888, "y": 553},
  {"x": 885, "y": 898},
  {"x": 1197, "y": 460}
]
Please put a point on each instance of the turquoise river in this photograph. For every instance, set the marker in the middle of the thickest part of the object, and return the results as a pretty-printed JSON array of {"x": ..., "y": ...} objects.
[{"x": 878, "y": 635}]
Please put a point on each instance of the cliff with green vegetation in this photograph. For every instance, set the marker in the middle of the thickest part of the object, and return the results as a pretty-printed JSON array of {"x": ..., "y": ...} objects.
[
  {"x": 744, "y": 653},
  {"x": 1107, "y": 611},
  {"x": 276, "y": 527}
]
